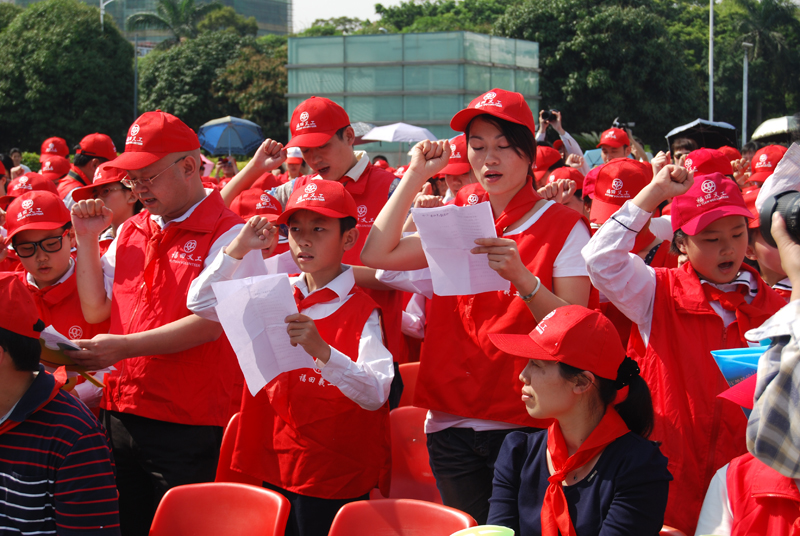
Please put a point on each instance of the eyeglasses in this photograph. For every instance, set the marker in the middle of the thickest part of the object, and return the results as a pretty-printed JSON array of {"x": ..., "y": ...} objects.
[
  {"x": 131, "y": 183},
  {"x": 105, "y": 191},
  {"x": 50, "y": 245}
]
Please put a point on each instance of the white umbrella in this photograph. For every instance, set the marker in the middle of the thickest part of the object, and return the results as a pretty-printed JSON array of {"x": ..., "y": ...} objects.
[
  {"x": 772, "y": 127},
  {"x": 399, "y": 132}
]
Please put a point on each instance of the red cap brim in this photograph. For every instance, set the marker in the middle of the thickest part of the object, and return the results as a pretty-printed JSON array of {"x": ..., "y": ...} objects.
[
  {"x": 760, "y": 176},
  {"x": 284, "y": 218},
  {"x": 294, "y": 160},
  {"x": 697, "y": 224},
  {"x": 51, "y": 176},
  {"x": 38, "y": 226},
  {"x": 458, "y": 168},
  {"x": 314, "y": 139},
  {"x": 602, "y": 210},
  {"x": 612, "y": 143},
  {"x": 132, "y": 160},
  {"x": 519, "y": 345},
  {"x": 742, "y": 393},
  {"x": 460, "y": 121}
]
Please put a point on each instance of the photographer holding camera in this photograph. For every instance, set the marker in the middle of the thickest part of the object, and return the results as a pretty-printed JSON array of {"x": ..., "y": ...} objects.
[{"x": 552, "y": 118}]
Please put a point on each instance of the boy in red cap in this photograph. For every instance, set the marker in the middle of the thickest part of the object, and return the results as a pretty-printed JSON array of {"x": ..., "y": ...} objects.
[
  {"x": 321, "y": 129},
  {"x": 318, "y": 436},
  {"x": 54, "y": 167},
  {"x": 56, "y": 470},
  {"x": 614, "y": 143},
  {"x": 257, "y": 202},
  {"x": 26, "y": 183},
  {"x": 704, "y": 161},
  {"x": 92, "y": 151},
  {"x": 681, "y": 315},
  {"x": 764, "y": 163},
  {"x": 169, "y": 398},
  {"x": 457, "y": 172},
  {"x": 54, "y": 146}
]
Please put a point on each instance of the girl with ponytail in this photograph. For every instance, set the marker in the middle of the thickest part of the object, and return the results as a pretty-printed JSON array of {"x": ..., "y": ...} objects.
[{"x": 592, "y": 471}]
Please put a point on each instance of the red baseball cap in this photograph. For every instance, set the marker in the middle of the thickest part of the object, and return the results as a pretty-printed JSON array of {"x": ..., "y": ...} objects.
[
  {"x": 29, "y": 182},
  {"x": 153, "y": 136},
  {"x": 590, "y": 181},
  {"x": 704, "y": 161},
  {"x": 54, "y": 167},
  {"x": 2, "y": 169},
  {"x": 618, "y": 181},
  {"x": 500, "y": 103},
  {"x": 573, "y": 335},
  {"x": 710, "y": 198},
  {"x": 37, "y": 210},
  {"x": 458, "y": 163},
  {"x": 750, "y": 196},
  {"x": 765, "y": 161},
  {"x": 256, "y": 202},
  {"x": 566, "y": 172},
  {"x": 97, "y": 145},
  {"x": 558, "y": 144},
  {"x": 614, "y": 137},
  {"x": 315, "y": 121},
  {"x": 743, "y": 393},
  {"x": 54, "y": 146},
  {"x": 328, "y": 198},
  {"x": 104, "y": 174},
  {"x": 731, "y": 153},
  {"x": 23, "y": 318},
  {"x": 545, "y": 157},
  {"x": 294, "y": 155}
]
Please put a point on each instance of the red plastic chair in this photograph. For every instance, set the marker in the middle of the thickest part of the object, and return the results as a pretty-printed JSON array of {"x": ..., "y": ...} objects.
[
  {"x": 670, "y": 531},
  {"x": 221, "y": 509},
  {"x": 409, "y": 372},
  {"x": 398, "y": 517},
  {"x": 224, "y": 471},
  {"x": 412, "y": 477}
]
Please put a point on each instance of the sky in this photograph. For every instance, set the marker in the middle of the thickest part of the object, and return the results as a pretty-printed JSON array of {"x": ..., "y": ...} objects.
[{"x": 307, "y": 11}]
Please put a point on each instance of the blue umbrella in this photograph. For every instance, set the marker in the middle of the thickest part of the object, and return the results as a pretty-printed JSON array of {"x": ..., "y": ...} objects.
[{"x": 230, "y": 135}]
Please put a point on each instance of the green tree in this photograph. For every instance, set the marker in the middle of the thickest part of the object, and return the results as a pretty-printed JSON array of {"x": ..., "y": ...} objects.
[
  {"x": 8, "y": 12},
  {"x": 180, "y": 17},
  {"x": 334, "y": 26},
  {"x": 227, "y": 18},
  {"x": 63, "y": 77},
  {"x": 254, "y": 85},
  {"x": 603, "y": 60},
  {"x": 413, "y": 16}
]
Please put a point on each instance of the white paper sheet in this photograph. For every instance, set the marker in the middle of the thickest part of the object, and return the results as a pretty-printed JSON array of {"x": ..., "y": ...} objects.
[
  {"x": 786, "y": 176},
  {"x": 282, "y": 264},
  {"x": 448, "y": 234},
  {"x": 252, "y": 312}
]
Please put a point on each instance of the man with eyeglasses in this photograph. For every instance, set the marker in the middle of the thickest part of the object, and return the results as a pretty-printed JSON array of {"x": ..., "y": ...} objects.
[{"x": 172, "y": 392}]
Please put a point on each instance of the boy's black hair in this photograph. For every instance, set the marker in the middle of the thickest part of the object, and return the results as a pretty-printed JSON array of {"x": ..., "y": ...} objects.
[
  {"x": 81, "y": 160},
  {"x": 14, "y": 150},
  {"x": 687, "y": 144},
  {"x": 673, "y": 246},
  {"x": 340, "y": 132},
  {"x": 24, "y": 351},
  {"x": 347, "y": 223}
]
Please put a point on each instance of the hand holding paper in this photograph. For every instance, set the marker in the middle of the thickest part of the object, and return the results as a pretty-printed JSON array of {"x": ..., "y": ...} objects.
[{"x": 448, "y": 235}]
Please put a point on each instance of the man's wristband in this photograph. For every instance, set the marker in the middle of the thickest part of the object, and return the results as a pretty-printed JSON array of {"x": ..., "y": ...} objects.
[{"x": 528, "y": 298}]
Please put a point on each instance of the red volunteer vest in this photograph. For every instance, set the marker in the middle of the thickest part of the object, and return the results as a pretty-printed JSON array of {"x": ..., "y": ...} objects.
[
  {"x": 74, "y": 179},
  {"x": 699, "y": 432},
  {"x": 461, "y": 371},
  {"x": 763, "y": 501},
  {"x": 370, "y": 192},
  {"x": 190, "y": 387},
  {"x": 60, "y": 306},
  {"x": 302, "y": 434}
]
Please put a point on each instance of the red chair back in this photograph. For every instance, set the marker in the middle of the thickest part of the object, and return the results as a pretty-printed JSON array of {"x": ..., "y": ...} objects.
[
  {"x": 409, "y": 372},
  {"x": 412, "y": 477},
  {"x": 398, "y": 517},
  {"x": 670, "y": 531},
  {"x": 220, "y": 509},
  {"x": 224, "y": 471}
]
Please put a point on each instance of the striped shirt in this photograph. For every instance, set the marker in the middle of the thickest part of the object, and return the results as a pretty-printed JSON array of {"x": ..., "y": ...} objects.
[{"x": 56, "y": 469}]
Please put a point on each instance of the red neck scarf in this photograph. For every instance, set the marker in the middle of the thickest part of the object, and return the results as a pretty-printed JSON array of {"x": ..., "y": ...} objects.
[
  {"x": 734, "y": 301},
  {"x": 521, "y": 203},
  {"x": 320, "y": 296},
  {"x": 555, "y": 512}
]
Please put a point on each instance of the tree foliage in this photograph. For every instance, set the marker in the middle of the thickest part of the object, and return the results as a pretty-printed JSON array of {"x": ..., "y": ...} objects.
[
  {"x": 226, "y": 18},
  {"x": 62, "y": 76},
  {"x": 443, "y": 15},
  {"x": 180, "y": 17},
  {"x": 603, "y": 60},
  {"x": 219, "y": 74},
  {"x": 8, "y": 12}
]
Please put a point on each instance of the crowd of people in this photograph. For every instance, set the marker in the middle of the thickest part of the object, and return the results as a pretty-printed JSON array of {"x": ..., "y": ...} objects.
[{"x": 623, "y": 278}]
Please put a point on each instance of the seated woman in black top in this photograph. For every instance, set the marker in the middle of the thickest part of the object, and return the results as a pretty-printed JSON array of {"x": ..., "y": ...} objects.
[{"x": 592, "y": 472}]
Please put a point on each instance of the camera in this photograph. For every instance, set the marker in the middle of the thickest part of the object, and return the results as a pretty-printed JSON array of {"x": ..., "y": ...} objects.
[
  {"x": 618, "y": 124},
  {"x": 223, "y": 159},
  {"x": 787, "y": 204},
  {"x": 550, "y": 115}
]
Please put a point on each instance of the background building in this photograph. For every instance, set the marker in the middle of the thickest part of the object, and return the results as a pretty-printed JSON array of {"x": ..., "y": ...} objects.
[{"x": 421, "y": 79}]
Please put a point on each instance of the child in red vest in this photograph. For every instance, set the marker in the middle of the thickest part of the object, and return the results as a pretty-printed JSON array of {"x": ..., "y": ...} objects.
[
  {"x": 467, "y": 383},
  {"x": 681, "y": 315},
  {"x": 318, "y": 436},
  {"x": 40, "y": 231}
]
